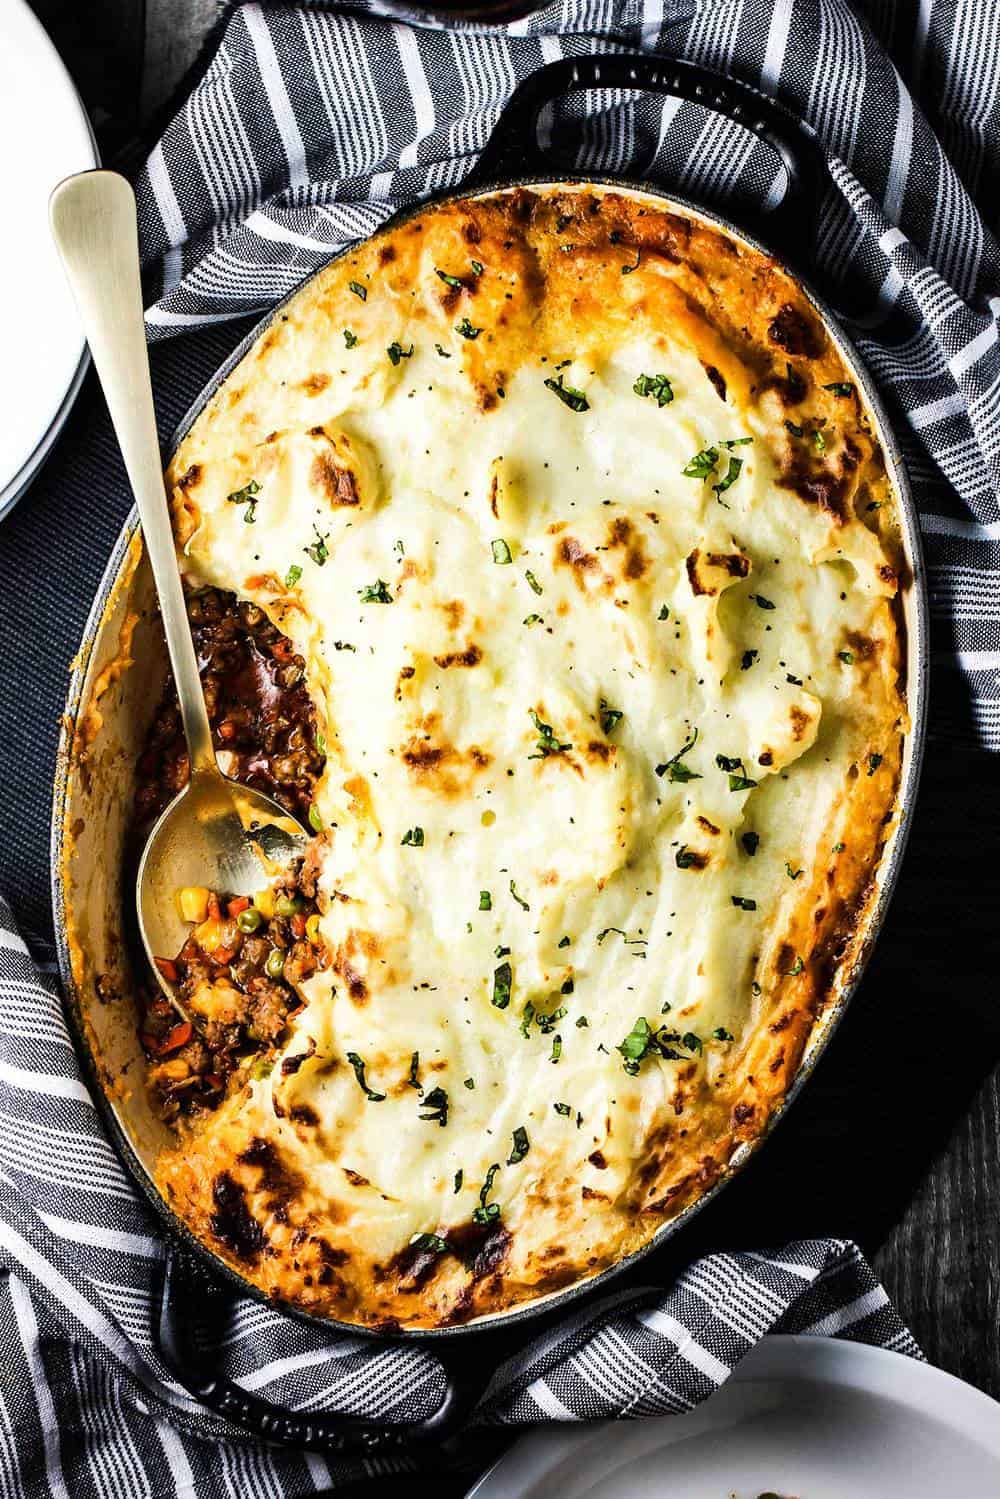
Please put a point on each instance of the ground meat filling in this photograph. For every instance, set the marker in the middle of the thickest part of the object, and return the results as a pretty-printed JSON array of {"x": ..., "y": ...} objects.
[
  {"x": 258, "y": 705},
  {"x": 236, "y": 975}
]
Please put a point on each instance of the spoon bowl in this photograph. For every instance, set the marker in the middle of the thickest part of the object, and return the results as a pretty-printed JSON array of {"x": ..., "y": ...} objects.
[{"x": 217, "y": 834}]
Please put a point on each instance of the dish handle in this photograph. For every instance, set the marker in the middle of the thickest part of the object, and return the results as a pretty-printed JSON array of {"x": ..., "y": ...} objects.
[
  {"x": 787, "y": 225},
  {"x": 185, "y": 1283}
]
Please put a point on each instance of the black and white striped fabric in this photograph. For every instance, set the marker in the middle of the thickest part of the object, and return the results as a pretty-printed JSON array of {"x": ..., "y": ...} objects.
[
  {"x": 310, "y": 125},
  {"x": 88, "y": 1411}
]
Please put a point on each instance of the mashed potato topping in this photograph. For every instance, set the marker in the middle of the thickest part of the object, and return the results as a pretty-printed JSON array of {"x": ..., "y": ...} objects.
[{"x": 580, "y": 525}]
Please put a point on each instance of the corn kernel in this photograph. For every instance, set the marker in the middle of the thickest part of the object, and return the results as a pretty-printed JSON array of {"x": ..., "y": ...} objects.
[
  {"x": 192, "y": 902},
  {"x": 312, "y": 929},
  {"x": 264, "y": 901},
  {"x": 209, "y": 935}
]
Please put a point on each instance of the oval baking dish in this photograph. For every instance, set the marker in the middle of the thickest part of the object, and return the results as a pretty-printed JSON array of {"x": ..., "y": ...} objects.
[{"x": 121, "y": 667}]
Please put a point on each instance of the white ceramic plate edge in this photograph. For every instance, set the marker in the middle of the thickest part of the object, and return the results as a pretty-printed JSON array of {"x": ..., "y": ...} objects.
[{"x": 878, "y": 1372}]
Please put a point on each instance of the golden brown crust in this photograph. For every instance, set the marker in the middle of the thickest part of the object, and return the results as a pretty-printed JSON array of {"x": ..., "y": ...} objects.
[{"x": 574, "y": 274}]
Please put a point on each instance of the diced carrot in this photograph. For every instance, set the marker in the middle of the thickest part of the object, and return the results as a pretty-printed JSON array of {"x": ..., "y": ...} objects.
[
  {"x": 237, "y": 904},
  {"x": 281, "y": 650},
  {"x": 222, "y": 956},
  {"x": 213, "y": 1079},
  {"x": 299, "y": 925},
  {"x": 226, "y": 729},
  {"x": 176, "y": 1038},
  {"x": 169, "y": 969}
]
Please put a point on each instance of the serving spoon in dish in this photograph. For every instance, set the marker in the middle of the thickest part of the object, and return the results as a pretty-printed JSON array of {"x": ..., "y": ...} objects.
[{"x": 215, "y": 833}]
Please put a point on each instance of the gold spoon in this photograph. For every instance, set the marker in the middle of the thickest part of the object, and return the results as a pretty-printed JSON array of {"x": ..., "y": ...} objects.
[{"x": 214, "y": 833}]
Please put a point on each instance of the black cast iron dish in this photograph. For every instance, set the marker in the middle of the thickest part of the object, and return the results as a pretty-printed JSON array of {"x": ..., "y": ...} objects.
[{"x": 193, "y": 1275}]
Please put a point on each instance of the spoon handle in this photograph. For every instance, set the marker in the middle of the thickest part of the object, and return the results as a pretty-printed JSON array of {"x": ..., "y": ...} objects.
[{"x": 93, "y": 217}]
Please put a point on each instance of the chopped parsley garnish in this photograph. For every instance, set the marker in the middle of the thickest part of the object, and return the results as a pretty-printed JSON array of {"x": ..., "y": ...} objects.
[
  {"x": 563, "y": 1109},
  {"x": 485, "y": 901},
  {"x": 819, "y": 441},
  {"x": 520, "y": 900},
  {"x": 702, "y": 464},
  {"x": 567, "y": 986},
  {"x": 610, "y": 718},
  {"x": 793, "y": 874},
  {"x": 761, "y": 601},
  {"x": 838, "y": 848},
  {"x": 436, "y": 1105},
  {"x": 502, "y": 980},
  {"x": 443, "y": 352},
  {"x": 412, "y": 838},
  {"x": 750, "y": 842},
  {"x": 293, "y": 575},
  {"x": 477, "y": 267},
  {"x": 532, "y": 619},
  {"x": 731, "y": 475},
  {"x": 743, "y": 903},
  {"x": 396, "y": 352},
  {"x": 469, "y": 1083},
  {"x": 547, "y": 1023},
  {"x": 840, "y": 388},
  {"x": 727, "y": 762},
  {"x": 527, "y": 1016},
  {"x": 533, "y": 582},
  {"x": 547, "y": 742},
  {"x": 684, "y": 858},
  {"x": 674, "y": 770},
  {"x": 502, "y": 952},
  {"x": 642, "y": 1041},
  {"x": 656, "y": 386},
  {"x": 459, "y": 1177},
  {"x": 795, "y": 429},
  {"x": 721, "y": 1034},
  {"x": 556, "y": 1049},
  {"x": 359, "y": 1072},
  {"x": 450, "y": 280},
  {"x": 429, "y": 1243},
  {"x": 358, "y": 290},
  {"x": 574, "y": 399},
  {"x": 664, "y": 612},
  {"x": 467, "y": 329},
  {"x": 582, "y": 1022},
  {"x": 563, "y": 942},
  {"x": 318, "y": 549},
  {"x": 628, "y": 269},
  {"x": 796, "y": 968},
  {"x": 741, "y": 783},
  {"x": 375, "y": 593},
  {"x": 350, "y": 338},
  {"x": 487, "y": 1212},
  {"x": 413, "y": 1080},
  {"x": 501, "y": 552},
  {"x": 847, "y": 657},
  {"x": 874, "y": 761},
  {"x": 691, "y": 1041},
  {"x": 246, "y": 496},
  {"x": 521, "y": 1146},
  {"x": 749, "y": 657}
]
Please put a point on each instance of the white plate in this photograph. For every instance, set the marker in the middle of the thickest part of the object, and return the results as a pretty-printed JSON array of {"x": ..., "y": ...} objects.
[
  {"x": 44, "y": 136},
  {"x": 810, "y": 1417}
]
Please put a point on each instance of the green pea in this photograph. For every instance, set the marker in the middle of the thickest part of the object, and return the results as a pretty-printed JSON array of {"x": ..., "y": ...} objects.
[
  {"x": 315, "y": 821},
  {"x": 274, "y": 965},
  {"x": 249, "y": 920},
  {"x": 288, "y": 905}
]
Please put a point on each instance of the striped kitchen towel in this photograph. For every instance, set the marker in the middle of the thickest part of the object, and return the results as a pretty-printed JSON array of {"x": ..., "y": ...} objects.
[
  {"x": 89, "y": 1410},
  {"x": 313, "y": 124}
]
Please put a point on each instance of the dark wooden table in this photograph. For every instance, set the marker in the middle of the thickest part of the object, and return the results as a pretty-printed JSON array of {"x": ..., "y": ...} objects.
[{"x": 896, "y": 1140}]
